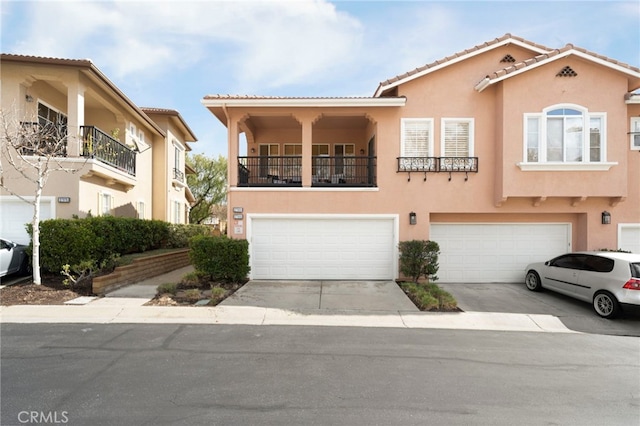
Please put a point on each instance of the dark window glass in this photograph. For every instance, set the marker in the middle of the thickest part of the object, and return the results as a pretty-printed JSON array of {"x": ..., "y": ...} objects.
[
  {"x": 569, "y": 261},
  {"x": 599, "y": 264},
  {"x": 635, "y": 270}
]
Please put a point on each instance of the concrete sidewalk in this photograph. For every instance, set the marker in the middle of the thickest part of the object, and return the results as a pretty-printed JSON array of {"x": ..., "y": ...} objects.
[
  {"x": 130, "y": 310},
  {"x": 315, "y": 303}
]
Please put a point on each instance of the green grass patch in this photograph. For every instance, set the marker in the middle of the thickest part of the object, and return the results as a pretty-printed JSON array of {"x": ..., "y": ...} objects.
[
  {"x": 170, "y": 288},
  {"x": 430, "y": 297}
]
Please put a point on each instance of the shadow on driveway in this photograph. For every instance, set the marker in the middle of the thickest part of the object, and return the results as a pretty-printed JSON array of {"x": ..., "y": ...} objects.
[{"x": 515, "y": 298}]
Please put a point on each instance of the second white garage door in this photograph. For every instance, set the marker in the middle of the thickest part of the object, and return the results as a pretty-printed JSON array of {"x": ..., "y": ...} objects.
[
  {"x": 317, "y": 247},
  {"x": 15, "y": 214},
  {"x": 472, "y": 253}
]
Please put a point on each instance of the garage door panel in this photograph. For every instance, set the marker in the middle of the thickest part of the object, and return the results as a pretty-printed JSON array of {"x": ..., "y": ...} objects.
[
  {"x": 317, "y": 248},
  {"x": 495, "y": 252}
]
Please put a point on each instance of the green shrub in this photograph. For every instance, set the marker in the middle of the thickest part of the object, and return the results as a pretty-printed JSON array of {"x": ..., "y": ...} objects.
[
  {"x": 170, "y": 288},
  {"x": 102, "y": 239},
  {"x": 428, "y": 297},
  {"x": 192, "y": 295},
  {"x": 220, "y": 258},
  {"x": 419, "y": 258},
  {"x": 179, "y": 235}
]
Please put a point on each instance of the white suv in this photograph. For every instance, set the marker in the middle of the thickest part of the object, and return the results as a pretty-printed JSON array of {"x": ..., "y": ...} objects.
[{"x": 608, "y": 280}]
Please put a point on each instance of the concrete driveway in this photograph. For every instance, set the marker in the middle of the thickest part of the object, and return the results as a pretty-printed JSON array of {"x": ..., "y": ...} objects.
[
  {"x": 515, "y": 298},
  {"x": 372, "y": 296}
]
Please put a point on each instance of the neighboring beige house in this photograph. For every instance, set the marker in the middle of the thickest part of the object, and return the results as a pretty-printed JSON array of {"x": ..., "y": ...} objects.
[
  {"x": 506, "y": 153},
  {"x": 126, "y": 157},
  {"x": 170, "y": 191}
]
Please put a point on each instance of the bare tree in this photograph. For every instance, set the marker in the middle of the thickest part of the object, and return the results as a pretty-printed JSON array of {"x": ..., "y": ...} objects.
[{"x": 34, "y": 148}]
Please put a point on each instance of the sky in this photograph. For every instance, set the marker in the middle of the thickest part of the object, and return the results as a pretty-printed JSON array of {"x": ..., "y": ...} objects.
[{"x": 170, "y": 54}]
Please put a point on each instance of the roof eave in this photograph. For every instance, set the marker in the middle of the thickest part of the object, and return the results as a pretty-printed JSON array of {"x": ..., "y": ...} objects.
[{"x": 304, "y": 102}]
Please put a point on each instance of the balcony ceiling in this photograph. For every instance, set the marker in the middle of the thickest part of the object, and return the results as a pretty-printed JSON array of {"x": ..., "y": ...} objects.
[{"x": 327, "y": 122}]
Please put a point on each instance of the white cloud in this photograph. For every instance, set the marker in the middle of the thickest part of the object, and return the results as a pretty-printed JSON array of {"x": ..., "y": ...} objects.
[{"x": 271, "y": 42}]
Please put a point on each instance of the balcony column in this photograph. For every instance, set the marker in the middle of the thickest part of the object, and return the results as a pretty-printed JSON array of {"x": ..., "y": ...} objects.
[
  {"x": 75, "y": 117},
  {"x": 307, "y": 136},
  {"x": 233, "y": 146}
]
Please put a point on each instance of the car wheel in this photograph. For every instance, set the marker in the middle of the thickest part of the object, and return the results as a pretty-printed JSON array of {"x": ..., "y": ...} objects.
[
  {"x": 606, "y": 305},
  {"x": 532, "y": 281}
]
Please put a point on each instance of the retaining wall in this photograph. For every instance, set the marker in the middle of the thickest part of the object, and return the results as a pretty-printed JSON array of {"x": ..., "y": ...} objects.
[{"x": 140, "y": 270}]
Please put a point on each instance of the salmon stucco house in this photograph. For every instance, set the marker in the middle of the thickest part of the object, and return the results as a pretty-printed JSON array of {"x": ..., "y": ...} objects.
[
  {"x": 506, "y": 153},
  {"x": 130, "y": 161}
]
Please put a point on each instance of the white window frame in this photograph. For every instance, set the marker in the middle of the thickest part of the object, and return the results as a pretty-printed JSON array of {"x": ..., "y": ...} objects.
[
  {"x": 141, "y": 209},
  {"x": 634, "y": 134},
  {"x": 108, "y": 197},
  {"x": 295, "y": 147},
  {"x": 176, "y": 212},
  {"x": 403, "y": 135},
  {"x": 408, "y": 163},
  {"x": 470, "y": 142},
  {"x": 586, "y": 163}
]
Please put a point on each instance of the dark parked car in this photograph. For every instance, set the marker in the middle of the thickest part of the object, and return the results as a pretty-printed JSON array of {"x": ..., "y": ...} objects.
[
  {"x": 607, "y": 280},
  {"x": 13, "y": 258}
]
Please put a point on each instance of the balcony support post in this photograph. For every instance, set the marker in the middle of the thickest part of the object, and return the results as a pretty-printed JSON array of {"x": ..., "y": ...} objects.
[{"x": 75, "y": 117}]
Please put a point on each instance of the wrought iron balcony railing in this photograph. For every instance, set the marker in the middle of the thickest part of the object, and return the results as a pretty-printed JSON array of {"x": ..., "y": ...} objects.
[
  {"x": 178, "y": 175},
  {"x": 99, "y": 145},
  {"x": 438, "y": 164},
  {"x": 326, "y": 171}
]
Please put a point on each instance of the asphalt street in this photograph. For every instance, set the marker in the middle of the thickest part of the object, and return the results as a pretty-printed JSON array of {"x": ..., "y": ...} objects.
[{"x": 136, "y": 374}]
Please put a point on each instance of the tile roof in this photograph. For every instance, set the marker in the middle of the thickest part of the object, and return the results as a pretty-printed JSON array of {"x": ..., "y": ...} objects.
[
  {"x": 550, "y": 56},
  {"x": 464, "y": 53},
  {"x": 258, "y": 97},
  {"x": 93, "y": 71},
  {"x": 171, "y": 113}
]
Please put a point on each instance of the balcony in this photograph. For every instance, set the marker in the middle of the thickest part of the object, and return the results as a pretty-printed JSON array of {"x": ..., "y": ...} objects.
[
  {"x": 278, "y": 171},
  {"x": 99, "y": 145},
  {"x": 178, "y": 175},
  {"x": 438, "y": 165}
]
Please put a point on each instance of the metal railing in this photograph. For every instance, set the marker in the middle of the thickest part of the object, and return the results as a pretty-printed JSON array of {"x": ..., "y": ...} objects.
[
  {"x": 287, "y": 171},
  {"x": 438, "y": 164},
  {"x": 99, "y": 145},
  {"x": 178, "y": 175}
]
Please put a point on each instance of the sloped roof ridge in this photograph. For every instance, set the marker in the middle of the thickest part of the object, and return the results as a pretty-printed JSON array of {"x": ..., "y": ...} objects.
[
  {"x": 46, "y": 59},
  {"x": 555, "y": 52},
  {"x": 475, "y": 48},
  {"x": 228, "y": 96}
]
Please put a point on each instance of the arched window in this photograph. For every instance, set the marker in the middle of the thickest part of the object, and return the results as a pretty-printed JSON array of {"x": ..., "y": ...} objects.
[{"x": 565, "y": 134}]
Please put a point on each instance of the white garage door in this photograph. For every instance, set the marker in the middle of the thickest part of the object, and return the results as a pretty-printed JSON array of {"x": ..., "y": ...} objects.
[
  {"x": 15, "y": 213},
  {"x": 329, "y": 248},
  {"x": 472, "y": 253},
  {"x": 629, "y": 237}
]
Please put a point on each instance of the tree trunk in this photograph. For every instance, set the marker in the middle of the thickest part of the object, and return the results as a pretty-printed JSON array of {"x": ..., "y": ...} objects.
[{"x": 35, "y": 223}]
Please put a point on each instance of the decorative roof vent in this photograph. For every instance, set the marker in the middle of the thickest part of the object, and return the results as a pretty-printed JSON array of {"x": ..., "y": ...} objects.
[
  {"x": 508, "y": 58},
  {"x": 567, "y": 72}
]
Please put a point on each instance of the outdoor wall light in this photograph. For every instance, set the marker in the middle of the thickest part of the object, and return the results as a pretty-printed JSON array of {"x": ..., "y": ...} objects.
[
  {"x": 413, "y": 219},
  {"x": 606, "y": 218},
  {"x": 362, "y": 152},
  {"x": 253, "y": 150},
  {"x": 28, "y": 98}
]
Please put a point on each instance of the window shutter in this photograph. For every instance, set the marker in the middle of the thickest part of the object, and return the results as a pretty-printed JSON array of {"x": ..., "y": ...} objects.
[
  {"x": 456, "y": 139},
  {"x": 416, "y": 138}
]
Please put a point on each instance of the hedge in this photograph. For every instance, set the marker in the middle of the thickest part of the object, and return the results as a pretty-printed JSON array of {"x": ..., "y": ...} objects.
[
  {"x": 220, "y": 258},
  {"x": 100, "y": 239}
]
